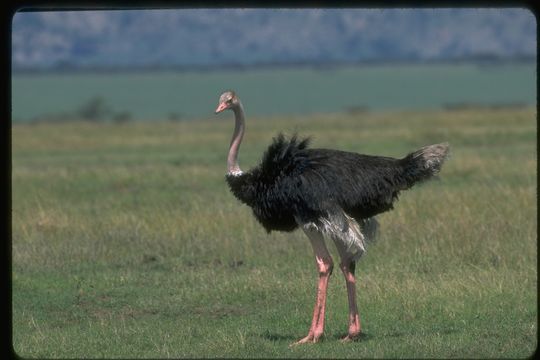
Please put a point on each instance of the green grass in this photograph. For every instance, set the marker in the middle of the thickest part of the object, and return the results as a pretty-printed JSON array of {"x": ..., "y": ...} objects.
[{"x": 127, "y": 243}]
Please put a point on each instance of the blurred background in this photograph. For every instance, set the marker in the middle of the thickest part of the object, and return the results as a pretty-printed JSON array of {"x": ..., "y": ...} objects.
[{"x": 128, "y": 65}]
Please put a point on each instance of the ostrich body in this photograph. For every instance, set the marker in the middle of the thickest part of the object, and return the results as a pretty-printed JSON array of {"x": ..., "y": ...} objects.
[{"x": 325, "y": 192}]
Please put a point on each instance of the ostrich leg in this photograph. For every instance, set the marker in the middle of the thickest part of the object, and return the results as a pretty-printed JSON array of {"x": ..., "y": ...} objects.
[
  {"x": 347, "y": 266},
  {"x": 324, "y": 266}
]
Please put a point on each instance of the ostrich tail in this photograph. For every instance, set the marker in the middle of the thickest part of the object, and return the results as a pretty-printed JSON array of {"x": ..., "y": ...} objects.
[{"x": 425, "y": 162}]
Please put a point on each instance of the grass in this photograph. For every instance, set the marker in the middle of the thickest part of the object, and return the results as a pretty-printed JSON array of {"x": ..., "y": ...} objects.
[{"x": 127, "y": 244}]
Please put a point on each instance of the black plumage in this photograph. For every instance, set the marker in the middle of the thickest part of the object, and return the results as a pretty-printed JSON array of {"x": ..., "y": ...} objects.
[{"x": 294, "y": 182}]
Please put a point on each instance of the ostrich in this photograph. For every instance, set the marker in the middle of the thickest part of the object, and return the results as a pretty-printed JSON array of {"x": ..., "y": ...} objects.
[{"x": 327, "y": 193}]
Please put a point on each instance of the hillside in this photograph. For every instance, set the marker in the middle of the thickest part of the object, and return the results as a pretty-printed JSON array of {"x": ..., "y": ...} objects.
[{"x": 211, "y": 37}]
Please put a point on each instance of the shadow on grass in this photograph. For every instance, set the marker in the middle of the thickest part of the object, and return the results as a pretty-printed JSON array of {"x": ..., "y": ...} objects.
[
  {"x": 397, "y": 334},
  {"x": 362, "y": 337},
  {"x": 291, "y": 338},
  {"x": 278, "y": 337}
]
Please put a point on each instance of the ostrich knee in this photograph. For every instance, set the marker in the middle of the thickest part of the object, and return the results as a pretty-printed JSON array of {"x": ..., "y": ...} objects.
[
  {"x": 325, "y": 266},
  {"x": 348, "y": 267}
]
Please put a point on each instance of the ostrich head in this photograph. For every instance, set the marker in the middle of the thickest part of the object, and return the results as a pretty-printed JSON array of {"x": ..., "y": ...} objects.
[{"x": 227, "y": 100}]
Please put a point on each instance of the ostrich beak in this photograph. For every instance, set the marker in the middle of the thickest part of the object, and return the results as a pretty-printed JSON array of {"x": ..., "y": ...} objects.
[{"x": 221, "y": 107}]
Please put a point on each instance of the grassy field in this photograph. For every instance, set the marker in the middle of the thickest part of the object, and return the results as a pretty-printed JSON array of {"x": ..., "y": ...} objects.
[{"x": 127, "y": 243}]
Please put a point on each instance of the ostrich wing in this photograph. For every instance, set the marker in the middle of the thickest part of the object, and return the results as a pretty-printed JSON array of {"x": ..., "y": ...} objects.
[{"x": 294, "y": 181}]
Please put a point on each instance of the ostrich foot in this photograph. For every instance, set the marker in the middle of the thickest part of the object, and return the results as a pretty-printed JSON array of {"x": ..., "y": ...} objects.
[
  {"x": 308, "y": 339},
  {"x": 351, "y": 337}
]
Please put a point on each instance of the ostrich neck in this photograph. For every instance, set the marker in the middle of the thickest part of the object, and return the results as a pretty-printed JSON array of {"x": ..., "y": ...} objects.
[{"x": 238, "y": 134}]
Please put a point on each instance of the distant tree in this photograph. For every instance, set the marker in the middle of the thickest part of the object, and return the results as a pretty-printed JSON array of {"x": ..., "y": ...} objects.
[
  {"x": 95, "y": 109},
  {"x": 174, "y": 116},
  {"x": 122, "y": 117}
]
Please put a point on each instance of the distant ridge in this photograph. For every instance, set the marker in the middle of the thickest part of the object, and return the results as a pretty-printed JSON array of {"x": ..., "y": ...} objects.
[{"x": 208, "y": 38}]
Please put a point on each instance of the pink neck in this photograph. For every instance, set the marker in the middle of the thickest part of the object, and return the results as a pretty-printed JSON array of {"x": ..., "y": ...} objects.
[{"x": 239, "y": 126}]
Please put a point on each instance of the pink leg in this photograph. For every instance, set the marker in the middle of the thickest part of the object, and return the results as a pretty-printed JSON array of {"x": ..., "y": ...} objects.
[
  {"x": 325, "y": 266},
  {"x": 354, "y": 319}
]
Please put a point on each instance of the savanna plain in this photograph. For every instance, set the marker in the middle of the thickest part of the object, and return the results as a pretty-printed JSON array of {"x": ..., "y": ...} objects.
[{"x": 126, "y": 243}]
